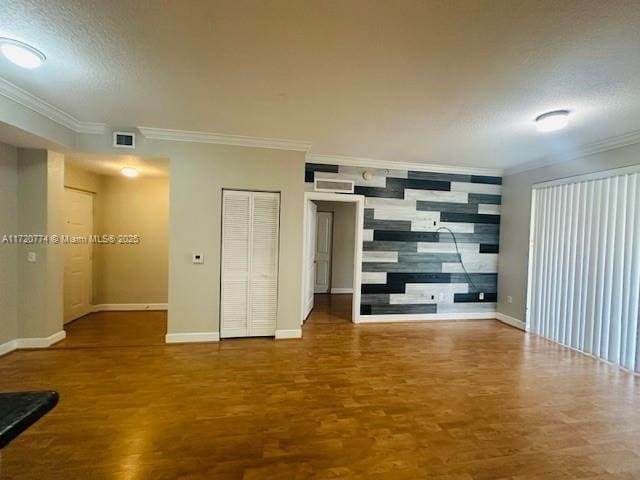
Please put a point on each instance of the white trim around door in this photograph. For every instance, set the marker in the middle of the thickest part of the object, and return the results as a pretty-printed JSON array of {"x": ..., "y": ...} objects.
[{"x": 357, "y": 257}]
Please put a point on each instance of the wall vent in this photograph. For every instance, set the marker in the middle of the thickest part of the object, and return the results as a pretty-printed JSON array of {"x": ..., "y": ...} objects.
[
  {"x": 332, "y": 185},
  {"x": 124, "y": 140}
]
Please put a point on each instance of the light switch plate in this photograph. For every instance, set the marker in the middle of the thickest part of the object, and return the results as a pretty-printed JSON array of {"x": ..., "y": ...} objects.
[
  {"x": 198, "y": 258},
  {"x": 31, "y": 257}
]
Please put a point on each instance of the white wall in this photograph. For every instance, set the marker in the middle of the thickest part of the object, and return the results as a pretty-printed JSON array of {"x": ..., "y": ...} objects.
[
  {"x": 8, "y": 252},
  {"x": 516, "y": 214}
]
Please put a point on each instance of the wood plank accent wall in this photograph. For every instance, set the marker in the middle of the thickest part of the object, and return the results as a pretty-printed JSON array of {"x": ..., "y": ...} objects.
[{"x": 410, "y": 268}]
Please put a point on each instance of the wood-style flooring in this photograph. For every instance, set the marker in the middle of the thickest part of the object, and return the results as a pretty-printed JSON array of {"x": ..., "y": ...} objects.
[
  {"x": 116, "y": 329},
  {"x": 442, "y": 400}
]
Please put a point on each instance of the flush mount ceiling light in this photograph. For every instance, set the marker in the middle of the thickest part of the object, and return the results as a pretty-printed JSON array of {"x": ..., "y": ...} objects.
[
  {"x": 551, "y": 121},
  {"x": 130, "y": 172},
  {"x": 21, "y": 54}
]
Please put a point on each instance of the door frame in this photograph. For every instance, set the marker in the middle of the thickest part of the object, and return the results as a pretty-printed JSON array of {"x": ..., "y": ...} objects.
[
  {"x": 311, "y": 225},
  {"x": 357, "y": 248}
]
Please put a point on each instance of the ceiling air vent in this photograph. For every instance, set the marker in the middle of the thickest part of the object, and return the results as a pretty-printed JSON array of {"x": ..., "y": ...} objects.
[
  {"x": 124, "y": 140},
  {"x": 332, "y": 185}
]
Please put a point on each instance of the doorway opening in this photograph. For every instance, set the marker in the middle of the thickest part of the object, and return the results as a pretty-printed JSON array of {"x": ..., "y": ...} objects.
[
  {"x": 332, "y": 255},
  {"x": 115, "y": 213}
]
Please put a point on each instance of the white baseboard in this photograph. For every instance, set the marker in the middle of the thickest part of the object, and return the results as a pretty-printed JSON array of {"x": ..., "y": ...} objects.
[
  {"x": 408, "y": 317},
  {"x": 514, "y": 322},
  {"x": 192, "y": 337},
  {"x": 338, "y": 291},
  {"x": 8, "y": 347},
  {"x": 295, "y": 333},
  {"x": 41, "y": 342},
  {"x": 35, "y": 342},
  {"x": 129, "y": 307}
]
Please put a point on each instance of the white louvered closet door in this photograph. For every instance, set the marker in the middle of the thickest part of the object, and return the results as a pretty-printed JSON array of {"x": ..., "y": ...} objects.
[
  {"x": 236, "y": 231},
  {"x": 249, "y": 266},
  {"x": 263, "y": 296},
  {"x": 584, "y": 273}
]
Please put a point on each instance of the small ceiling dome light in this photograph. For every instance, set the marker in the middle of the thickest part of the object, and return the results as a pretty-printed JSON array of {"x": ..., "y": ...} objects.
[
  {"x": 21, "y": 54},
  {"x": 130, "y": 172},
  {"x": 552, "y": 121}
]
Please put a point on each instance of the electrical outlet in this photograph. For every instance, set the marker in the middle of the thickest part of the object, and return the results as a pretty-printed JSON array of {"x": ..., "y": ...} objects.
[
  {"x": 509, "y": 299},
  {"x": 481, "y": 296}
]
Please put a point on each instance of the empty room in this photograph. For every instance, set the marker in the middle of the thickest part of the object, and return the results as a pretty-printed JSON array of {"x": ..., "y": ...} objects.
[{"x": 302, "y": 239}]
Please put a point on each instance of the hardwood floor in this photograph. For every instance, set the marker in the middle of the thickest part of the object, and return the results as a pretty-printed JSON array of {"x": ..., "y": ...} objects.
[
  {"x": 116, "y": 329},
  {"x": 440, "y": 400}
]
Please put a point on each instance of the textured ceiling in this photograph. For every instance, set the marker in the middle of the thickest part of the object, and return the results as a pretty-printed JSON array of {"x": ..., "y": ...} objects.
[{"x": 450, "y": 82}]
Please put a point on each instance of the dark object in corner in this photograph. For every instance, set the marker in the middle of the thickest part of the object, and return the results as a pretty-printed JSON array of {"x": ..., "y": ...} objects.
[{"x": 20, "y": 410}]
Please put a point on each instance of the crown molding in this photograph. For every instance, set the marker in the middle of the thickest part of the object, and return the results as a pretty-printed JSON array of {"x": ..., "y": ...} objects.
[
  {"x": 91, "y": 128},
  {"x": 605, "y": 145},
  {"x": 390, "y": 165},
  {"x": 223, "y": 139},
  {"x": 40, "y": 106}
]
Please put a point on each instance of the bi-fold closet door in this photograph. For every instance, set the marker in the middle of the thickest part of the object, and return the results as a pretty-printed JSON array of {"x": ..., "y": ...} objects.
[{"x": 249, "y": 266}]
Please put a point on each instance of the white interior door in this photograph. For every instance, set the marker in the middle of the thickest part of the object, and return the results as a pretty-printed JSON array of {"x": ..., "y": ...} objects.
[
  {"x": 324, "y": 235},
  {"x": 78, "y": 273},
  {"x": 310, "y": 257},
  {"x": 249, "y": 265}
]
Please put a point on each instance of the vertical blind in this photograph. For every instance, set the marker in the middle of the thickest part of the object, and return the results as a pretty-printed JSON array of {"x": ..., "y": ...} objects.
[{"x": 584, "y": 271}]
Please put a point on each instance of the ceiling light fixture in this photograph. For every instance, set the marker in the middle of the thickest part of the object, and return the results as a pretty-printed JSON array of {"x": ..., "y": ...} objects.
[
  {"x": 552, "y": 121},
  {"x": 21, "y": 54},
  {"x": 130, "y": 172}
]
